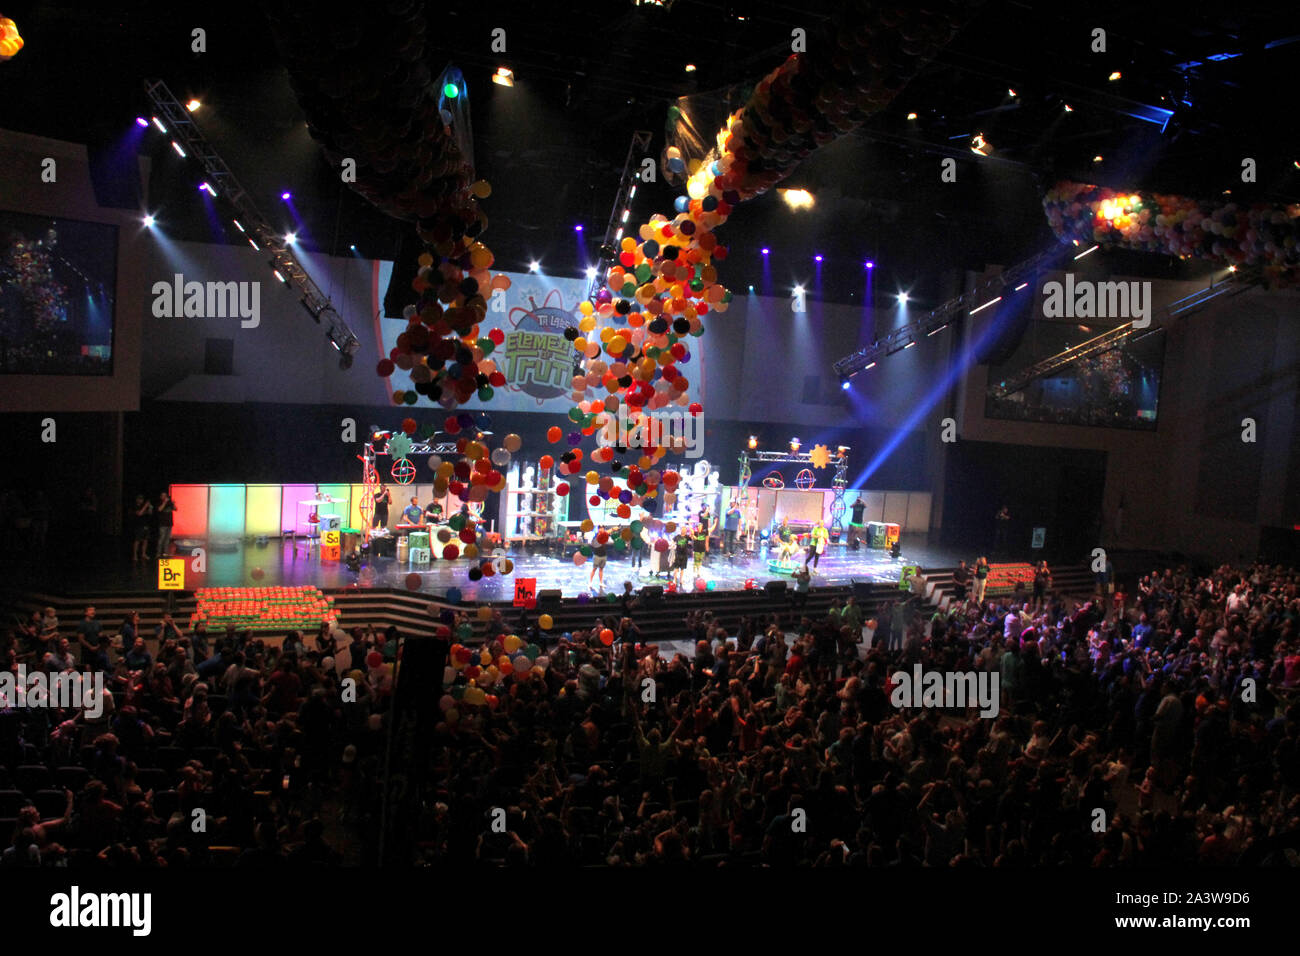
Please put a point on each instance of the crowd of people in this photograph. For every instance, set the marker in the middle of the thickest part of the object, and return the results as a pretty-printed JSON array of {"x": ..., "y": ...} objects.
[{"x": 1170, "y": 715}]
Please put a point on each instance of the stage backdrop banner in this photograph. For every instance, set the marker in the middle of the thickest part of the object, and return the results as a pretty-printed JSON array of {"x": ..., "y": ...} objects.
[{"x": 535, "y": 358}]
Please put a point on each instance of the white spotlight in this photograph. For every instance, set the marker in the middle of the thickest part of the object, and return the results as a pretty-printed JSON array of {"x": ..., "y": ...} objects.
[
  {"x": 902, "y": 298},
  {"x": 148, "y": 222},
  {"x": 290, "y": 238},
  {"x": 534, "y": 266}
]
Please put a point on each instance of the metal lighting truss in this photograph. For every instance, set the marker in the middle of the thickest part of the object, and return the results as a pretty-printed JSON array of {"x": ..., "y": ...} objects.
[
  {"x": 1234, "y": 284},
  {"x": 261, "y": 235},
  {"x": 986, "y": 291},
  {"x": 619, "y": 216}
]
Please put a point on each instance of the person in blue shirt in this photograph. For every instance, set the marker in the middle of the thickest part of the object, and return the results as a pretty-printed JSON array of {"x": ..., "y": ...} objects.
[
  {"x": 413, "y": 513},
  {"x": 730, "y": 526}
]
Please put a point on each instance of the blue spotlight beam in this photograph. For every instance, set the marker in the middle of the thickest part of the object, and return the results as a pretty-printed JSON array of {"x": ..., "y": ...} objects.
[
  {"x": 905, "y": 335},
  {"x": 316, "y": 302}
]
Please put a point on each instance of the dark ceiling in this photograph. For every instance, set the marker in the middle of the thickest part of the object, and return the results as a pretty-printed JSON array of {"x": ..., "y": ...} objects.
[{"x": 589, "y": 73}]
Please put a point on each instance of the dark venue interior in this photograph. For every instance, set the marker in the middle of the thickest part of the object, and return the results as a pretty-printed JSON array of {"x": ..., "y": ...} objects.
[{"x": 647, "y": 433}]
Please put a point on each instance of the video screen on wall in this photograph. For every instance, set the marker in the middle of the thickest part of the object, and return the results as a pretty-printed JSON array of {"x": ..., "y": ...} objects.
[
  {"x": 1119, "y": 388},
  {"x": 57, "y": 292}
]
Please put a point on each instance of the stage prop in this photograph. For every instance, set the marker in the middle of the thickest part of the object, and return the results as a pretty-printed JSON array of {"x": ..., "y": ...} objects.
[
  {"x": 532, "y": 508},
  {"x": 262, "y": 609},
  {"x": 820, "y": 458}
]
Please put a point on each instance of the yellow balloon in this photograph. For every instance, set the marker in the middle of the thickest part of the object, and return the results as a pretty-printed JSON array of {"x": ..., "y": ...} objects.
[
  {"x": 513, "y": 443},
  {"x": 587, "y": 525},
  {"x": 544, "y": 622},
  {"x": 592, "y": 477},
  {"x": 482, "y": 189},
  {"x": 580, "y": 344},
  {"x": 513, "y": 643},
  {"x": 485, "y": 613}
]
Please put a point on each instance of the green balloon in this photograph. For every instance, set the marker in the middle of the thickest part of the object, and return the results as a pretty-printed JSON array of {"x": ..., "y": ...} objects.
[
  {"x": 410, "y": 398},
  {"x": 643, "y": 273},
  {"x": 586, "y": 550},
  {"x": 575, "y": 414},
  {"x": 487, "y": 345},
  {"x": 636, "y": 526},
  {"x": 485, "y": 393}
]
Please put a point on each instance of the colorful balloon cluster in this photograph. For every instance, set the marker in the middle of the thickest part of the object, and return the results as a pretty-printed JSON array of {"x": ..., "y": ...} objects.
[
  {"x": 1259, "y": 235},
  {"x": 381, "y": 112},
  {"x": 10, "y": 41},
  {"x": 499, "y": 665},
  {"x": 814, "y": 97}
]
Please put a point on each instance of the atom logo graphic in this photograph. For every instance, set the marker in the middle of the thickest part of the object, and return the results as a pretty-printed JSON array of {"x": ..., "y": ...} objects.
[
  {"x": 773, "y": 481},
  {"x": 804, "y": 480},
  {"x": 403, "y": 471}
]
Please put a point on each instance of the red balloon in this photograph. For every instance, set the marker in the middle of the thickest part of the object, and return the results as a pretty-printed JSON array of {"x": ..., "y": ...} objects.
[
  {"x": 409, "y": 426},
  {"x": 562, "y": 488},
  {"x": 546, "y": 462},
  {"x": 467, "y": 535},
  {"x": 451, "y": 552},
  {"x": 385, "y": 368},
  {"x": 554, "y": 434},
  {"x": 374, "y": 659},
  {"x": 606, "y": 636},
  {"x": 413, "y": 582}
]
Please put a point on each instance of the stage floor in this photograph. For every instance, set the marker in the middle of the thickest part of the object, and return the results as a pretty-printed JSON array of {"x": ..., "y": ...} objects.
[{"x": 281, "y": 564}]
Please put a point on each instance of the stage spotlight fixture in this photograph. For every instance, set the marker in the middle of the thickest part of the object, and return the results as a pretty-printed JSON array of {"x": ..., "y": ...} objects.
[
  {"x": 909, "y": 345},
  {"x": 578, "y": 228},
  {"x": 607, "y": 252},
  {"x": 353, "y": 247},
  {"x": 979, "y": 145},
  {"x": 1019, "y": 287},
  {"x": 817, "y": 258},
  {"x": 1069, "y": 108},
  {"x": 238, "y": 225},
  {"x": 845, "y": 385},
  {"x": 450, "y": 90},
  {"x": 936, "y": 331},
  {"x": 1115, "y": 76},
  {"x": 753, "y": 442},
  {"x": 591, "y": 273},
  {"x": 504, "y": 76},
  {"x": 751, "y": 288},
  {"x": 911, "y": 116},
  {"x": 276, "y": 272},
  {"x": 148, "y": 222},
  {"x": 870, "y": 264},
  {"x": 290, "y": 238},
  {"x": 208, "y": 189},
  {"x": 1097, "y": 158},
  {"x": 865, "y": 367},
  {"x": 985, "y": 305},
  {"x": 534, "y": 266},
  {"x": 690, "y": 67},
  {"x": 286, "y": 195},
  {"x": 141, "y": 122},
  {"x": 764, "y": 250},
  {"x": 254, "y": 244},
  {"x": 1010, "y": 91},
  {"x": 798, "y": 290},
  {"x": 902, "y": 298},
  {"x": 1232, "y": 268},
  {"x": 177, "y": 146},
  {"x": 1087, "y": 252},
  {"x": 794, "y": 444},
  {"x": 193, "y": 106},
  {"x": 797, "y": 198},
  {"x": 158, "y": 125},
  {"x": 842, "y": 450}
]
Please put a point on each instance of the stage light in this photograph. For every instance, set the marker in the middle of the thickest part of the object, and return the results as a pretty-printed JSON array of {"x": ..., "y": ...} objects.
[
  {"x": 286, "y": 195},
  {"x": 290, "y": 238},
  {"x": 1019, "y": 287},
  {"x": 631, "y": 193},
  {"x": 845, "y": 385},
  {"x": 1232, "y": 268},
  {"x": 148, "y": 222},
  {"x": 751, "y": 288},
  {"x": 869, "y": 264},
  {"x": 238, "y": 225},
  {"x": 504, "y": 76},
  {"x": 985, "y": 305},
  {"x": 1097, "y": 158},
  {"x": 193, "y": 106},
  {"x": 794, "y": 444},
  {"x": 902, "y": 298},
  {"x": 936, "y": 331},
  {"x": 254, "y": 244},
  {"x": 208, "y": 189},
  {"x": 534, "y": 266},
  {"x": 764, "y": 250},
  {"x": 797, "y": 198},
  {"x": 450, "y": 90},
  {"x": 591, "y": 273},
  {"x": 909, "y": 345},
  {"x": 353, "y": 247},
  {"x": 1069, "y": 108},
  {"x": 141, "y": 122},
  {"x": 980, "y": 146},
  {"x": 842, "y": 450},
  {"x": 753, "y": 442},
  {"x": 626, "y": 213},
  {"x": 865, "y": 367},
  {"x": 277, "y": 274},
  {"x": 158, "y": 125},
  {"x": 578, "y": 228},
  {"x": 690, "y": 67},
  {"x": 798, "y": 290},
  {"x": 1115, "y": 76},
  {"x": 1087, "y": 252},
  {"x": 1010, "y": 91},
  {"x": 911, "y": 116},
  {"x": 817, "y": 258},
  {"x": 177, "y": 146}
]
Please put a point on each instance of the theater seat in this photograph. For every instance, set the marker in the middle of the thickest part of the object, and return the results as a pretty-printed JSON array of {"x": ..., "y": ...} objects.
[
  {"x": 11, "y": 801},
  {"x": 32, "y": 777},
  {"x": 165, "y": 803},
  {"x": 50, "y": 803},
  {"x": 73, "y": 778}
]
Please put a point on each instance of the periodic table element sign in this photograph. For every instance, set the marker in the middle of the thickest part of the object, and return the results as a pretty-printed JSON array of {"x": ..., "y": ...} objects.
[
  {"x": 329, "y": 539},
  {"x": 1040, "y": 536},
  {"x": 525, "y": 592},
  {"x": 171, "y": 574}
]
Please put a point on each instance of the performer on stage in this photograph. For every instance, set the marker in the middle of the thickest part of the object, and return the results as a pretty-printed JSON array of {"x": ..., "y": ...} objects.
[
  {"x": 681, "y": 554},
  {"x": 413, "y": 513},
  {"x": 856, "y": 531},
  {"x": 816, "y": 544},
  {"x": 166, "y": 508},
  {"x": 383, "y": 498},
  {"x": 701, "y": 541},
  {"x": 786, "y": 542},
  {"x": 432, "y": 512},
  {"x": 141, "y": 518},
  {"x": 731, "y": 525},
  {"x": 599, "y": 555}
]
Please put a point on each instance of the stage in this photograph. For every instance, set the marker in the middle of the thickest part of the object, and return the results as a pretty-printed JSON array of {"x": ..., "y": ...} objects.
[{"x": 280, "y": 563}]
